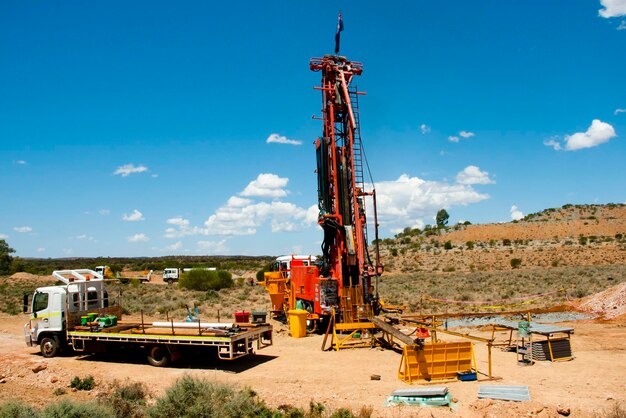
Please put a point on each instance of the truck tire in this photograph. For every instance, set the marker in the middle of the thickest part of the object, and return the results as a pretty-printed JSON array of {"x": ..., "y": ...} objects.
[
  {"x": 158, "y": 356},
  {"x": 169, "y": 281},
  {"x": 49, "y": 347}
]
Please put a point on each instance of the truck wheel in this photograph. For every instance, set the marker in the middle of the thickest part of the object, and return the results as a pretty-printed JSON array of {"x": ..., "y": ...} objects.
[
  {"x": 49, "y": 347},
  {"x": 169, "y": 281},
  {"x": 158, "y": 356}
]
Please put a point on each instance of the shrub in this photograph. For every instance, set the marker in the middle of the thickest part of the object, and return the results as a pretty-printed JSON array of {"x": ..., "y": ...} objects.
[
  {"x": 582, "y": 240},
  {"x": 516, "y": 262},
  {"x": 85, "y": 384},
  {"x": 16, "y": 409},
  {"x": 448, "y": 245},
  {"x": 128, "y": 400},
  {"x": 469, "y": 245},
  {"x": 67, "y": 409},
  {"x": 200, "y": 279},
  {"x": 192, "y": 397},
  {"x": 506, "y": 242},
  {"x": 394, "y": 252}
]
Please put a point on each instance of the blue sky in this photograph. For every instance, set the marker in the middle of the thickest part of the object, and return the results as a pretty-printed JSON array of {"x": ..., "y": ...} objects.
[{"x": 158, "y": 128}]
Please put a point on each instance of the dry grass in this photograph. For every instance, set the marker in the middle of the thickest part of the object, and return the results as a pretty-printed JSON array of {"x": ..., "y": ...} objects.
[{"x": 408, "y": 289}]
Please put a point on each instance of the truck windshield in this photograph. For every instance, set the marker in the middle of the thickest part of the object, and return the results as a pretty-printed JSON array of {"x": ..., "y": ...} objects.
[{"x": 40, "y": 302}]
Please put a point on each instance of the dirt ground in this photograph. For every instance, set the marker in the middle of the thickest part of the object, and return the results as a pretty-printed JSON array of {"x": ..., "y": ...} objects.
[{"x": 296, "y": 371}]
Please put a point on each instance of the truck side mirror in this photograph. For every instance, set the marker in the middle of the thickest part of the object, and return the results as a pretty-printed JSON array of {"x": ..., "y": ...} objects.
[{"x": 25, "y": 307}]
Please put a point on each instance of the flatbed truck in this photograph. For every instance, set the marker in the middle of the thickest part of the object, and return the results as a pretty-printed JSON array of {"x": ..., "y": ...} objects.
[{"x": 77, "y": 316}]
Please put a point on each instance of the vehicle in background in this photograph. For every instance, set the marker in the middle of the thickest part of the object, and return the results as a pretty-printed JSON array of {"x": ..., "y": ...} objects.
[{"x": 171, "y": 275}]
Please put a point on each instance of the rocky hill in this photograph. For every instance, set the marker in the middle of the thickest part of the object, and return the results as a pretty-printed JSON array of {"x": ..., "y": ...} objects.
[{"x": 573, "y": 235}]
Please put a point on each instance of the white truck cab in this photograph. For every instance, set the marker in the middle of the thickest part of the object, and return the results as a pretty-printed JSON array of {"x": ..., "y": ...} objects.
[{"x": 82, "y": 290}]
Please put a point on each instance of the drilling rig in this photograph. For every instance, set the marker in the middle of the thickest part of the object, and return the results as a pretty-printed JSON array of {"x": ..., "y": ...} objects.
[{"x": 344, "y": 282}]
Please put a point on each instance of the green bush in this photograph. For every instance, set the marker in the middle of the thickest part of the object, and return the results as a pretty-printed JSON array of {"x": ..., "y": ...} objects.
[
  {"x": 17, "y": 409},
  {"x": 516, "y": 262},
  {"x": 67, "y": 409},
  {"x": 200, "y": 279},
  {"x": 82, "y": 384},
  {"x": 192, "y": 397},
  {"x": 448, "y": 245},
  {"x": 469, "y": 245}
]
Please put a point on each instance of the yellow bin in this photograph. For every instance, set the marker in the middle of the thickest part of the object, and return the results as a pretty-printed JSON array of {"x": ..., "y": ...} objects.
[{"x": 297, "y": 322}]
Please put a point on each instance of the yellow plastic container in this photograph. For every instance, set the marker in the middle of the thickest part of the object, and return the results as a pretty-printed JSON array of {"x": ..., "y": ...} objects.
[{"x": 297, "y": 322}]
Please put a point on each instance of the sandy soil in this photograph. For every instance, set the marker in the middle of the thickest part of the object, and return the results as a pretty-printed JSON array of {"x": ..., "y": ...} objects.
[{"x": 296, "y": 371}]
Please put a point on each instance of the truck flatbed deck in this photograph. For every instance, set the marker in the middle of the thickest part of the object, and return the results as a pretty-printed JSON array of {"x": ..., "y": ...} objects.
[{"x": 230, "y": 344}]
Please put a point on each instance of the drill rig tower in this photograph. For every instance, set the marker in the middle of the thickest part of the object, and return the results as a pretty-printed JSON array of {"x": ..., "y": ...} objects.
[{"x": 345, "y": 280}]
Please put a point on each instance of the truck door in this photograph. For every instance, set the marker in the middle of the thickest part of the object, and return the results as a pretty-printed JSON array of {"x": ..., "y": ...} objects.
[{"x": 41, "y": 310}]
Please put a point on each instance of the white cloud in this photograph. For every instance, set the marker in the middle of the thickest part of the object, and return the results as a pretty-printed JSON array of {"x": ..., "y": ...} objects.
[
  {"x": 174, "y": 247},
  {"x": 552, "y": 143},
  {"x": 23, "y": 229},
  {"x": 516, "y": 214},
  {"x": 212, "y": 247},
  {"x": 41, "y": 249},
  {"x": 312, "y": 215},
  {"x": 178, "y": 221},
  {"x": 183, "y": 228},
  {"x": 128, "y": 169},
  {"x": 473, "y": 175},
  {"x": 598, "y": 133},
  {"x": 622, "y": 25},
  {"x": 104, "y": 212},
  {"x": 266, "y": 185},
  {"x": 404, "y": 201},
  {"x": 4, "y": 236},
  {"x": 154, "y": 176},
  {"x": 466, "y": 134},
  {"x": 612, "y": 8},
  {"x": 138, "y": 238},
  {"x": 84, "y": 236},
  {"x": 453, "y": 138},
  {"x": 618, "y": 111},
  {"x": 424, "y": 128},
  {"x": 133, "y": 217},
  {"x": 278, "y": 139},
  {"x": 236, "y": 219},
  {"x": 21, "y": 162}
]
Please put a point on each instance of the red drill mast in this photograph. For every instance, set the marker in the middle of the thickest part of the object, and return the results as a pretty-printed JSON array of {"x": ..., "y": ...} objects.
[{"x": 341, "y": 193}]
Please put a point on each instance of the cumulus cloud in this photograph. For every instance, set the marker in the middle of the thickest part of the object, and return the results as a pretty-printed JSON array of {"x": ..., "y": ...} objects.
[
  {"x": 4, "y": 236},
  {"x": 138, "y": 238},
  {"x": 453, "y": 138},
  {"x": 183, "y": 228},
  {"x": 41, "y": 249},
  {"x": 612, "y": 8},
  {"x": 266, "y": 185},
  {"x": 407, "y": 200},
  {"x": 466, "y": 134},
  {"x": 516, "y": 214},
  {"x": 622, "y": 25},
  {"x": 174, "y": 247},
  {"x": 598, "y": 133},
  {"x": 424, "y": 128},
  {"x": 552, "y": 142},
  {"x": 473, "y": 175},
  {"x": 618, "y": 111},
  {"x": 278, "y": 139},
  {"x": 212, "y": 247},
  {"x": 128, "y": 169},
  {"x": 21, "y": 162},
  {"x": 237, "y": 219},
  {"x": 23, "y": 229},
  {"x": 133, "y": 217}
]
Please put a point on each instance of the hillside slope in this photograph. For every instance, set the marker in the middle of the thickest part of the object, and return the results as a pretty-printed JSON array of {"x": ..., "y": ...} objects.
[{"x": 574, "y": 235}]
